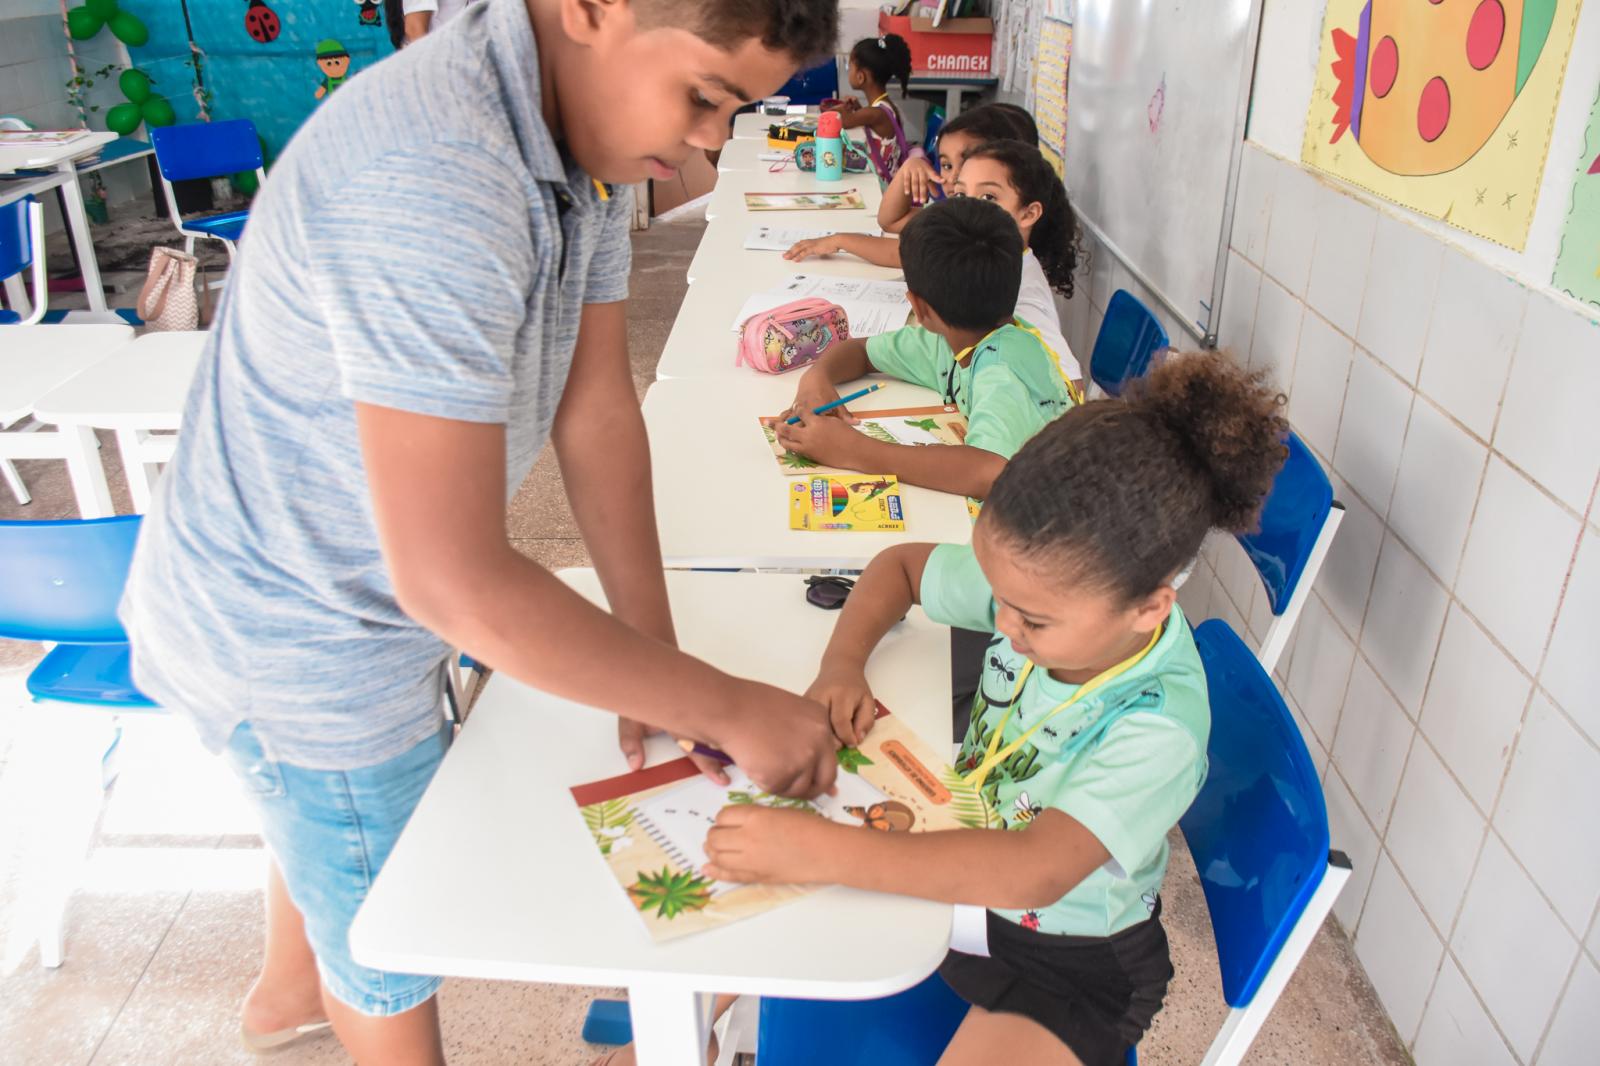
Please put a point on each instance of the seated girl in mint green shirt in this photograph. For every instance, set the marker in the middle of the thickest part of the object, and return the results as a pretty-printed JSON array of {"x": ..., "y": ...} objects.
[{"x": 1088, "y": 733}]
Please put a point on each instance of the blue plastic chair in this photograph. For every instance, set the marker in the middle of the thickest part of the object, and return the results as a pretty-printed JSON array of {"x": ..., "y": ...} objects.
[
  {"x": 814, "y": 84},
  {"x": 207, "y": 150},
  {"x": 1130, "y": 337},
  {"x": 908, "y": 1029},
  {"x": 1298, "y": 523},
  {"x": 22, "y": 250}
]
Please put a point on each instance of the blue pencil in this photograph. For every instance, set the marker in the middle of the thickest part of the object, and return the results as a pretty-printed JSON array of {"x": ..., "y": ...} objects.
[{"x": 840, "y": 402}]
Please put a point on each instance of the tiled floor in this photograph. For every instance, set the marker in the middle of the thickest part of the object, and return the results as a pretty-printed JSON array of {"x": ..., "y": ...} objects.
[{"x": 163, "y": 934}]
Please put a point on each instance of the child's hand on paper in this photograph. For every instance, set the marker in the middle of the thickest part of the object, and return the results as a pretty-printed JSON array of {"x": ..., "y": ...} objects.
[
  {"x": 630, "y": 738},
  {"x": 918, "y": 178},
  {"x": 830, "y": 441},
  {"x": 852, "y": 710},
  {"x": 829, "y": 245},
  {"x": 814, "y": 391},
  {"x": 782, "y": 741},
  {"x": 750, "y": 844}
]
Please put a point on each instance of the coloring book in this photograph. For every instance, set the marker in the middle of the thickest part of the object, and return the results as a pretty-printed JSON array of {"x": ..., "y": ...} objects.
[
  {"x": 650, "y": 826},
  {"x": 915, "y": 426},
  {"x": 843, "y": 200}
]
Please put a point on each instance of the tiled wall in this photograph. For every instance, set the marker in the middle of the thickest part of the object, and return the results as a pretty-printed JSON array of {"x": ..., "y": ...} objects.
[{"x": 1446, "y": 671}]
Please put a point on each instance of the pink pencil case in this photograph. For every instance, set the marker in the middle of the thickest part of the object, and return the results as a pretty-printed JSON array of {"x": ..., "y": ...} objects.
[{"x": 791, "y": 336}]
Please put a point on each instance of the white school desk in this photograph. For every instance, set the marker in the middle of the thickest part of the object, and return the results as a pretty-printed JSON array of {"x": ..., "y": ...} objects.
[
  {"x": 59, "y": 161},
  {"x": 723, "y": 260},
  {"x": 702, "y": 342},
  {"x": 496, "y": 877},
  {"x": 744, "y": 153},
  {"x": 727, "y": 199},
  {"x": 722, "y": 500},
  {"x": 753, "y": 125},
  {"x": 141, "y": 387}
]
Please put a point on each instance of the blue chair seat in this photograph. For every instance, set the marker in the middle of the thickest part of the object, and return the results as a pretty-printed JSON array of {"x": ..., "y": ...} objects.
[
  {"x": 225, "y": 226},
  {"x": 98, "y": 674},
  {"x": 9, "y": 318}
]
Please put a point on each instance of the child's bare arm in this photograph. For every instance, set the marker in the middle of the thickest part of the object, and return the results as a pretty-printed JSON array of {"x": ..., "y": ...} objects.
[
  {"x": 910, "y": 188},
  {"x": 963, "y": 470},
  {"x": 1024, "y": 870},
  {"x": 873, "y": 117},
  {"x": 881, "y": 251},
  {"x": 845, "y": 361}
]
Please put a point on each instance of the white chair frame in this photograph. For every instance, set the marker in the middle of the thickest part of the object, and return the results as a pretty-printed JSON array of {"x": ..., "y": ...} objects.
[{"x": 189, "y": 235}]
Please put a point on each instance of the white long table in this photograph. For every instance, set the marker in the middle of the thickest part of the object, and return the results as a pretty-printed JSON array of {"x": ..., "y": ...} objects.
[
  {"x": 727, "y": 199},
  {"x": 723, "y": 260},
  {"x": 721, "y": 499},
  {"x": 60, "y": 163},
  {"x": 496, "y": 877}
]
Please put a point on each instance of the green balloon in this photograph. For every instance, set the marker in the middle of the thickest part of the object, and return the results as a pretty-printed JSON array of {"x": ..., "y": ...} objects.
[
  {"x": 135, "y": 85},
  {"x": 128, "y": 29},
  {"x": 246, "y": 182},
  {"x": 104, "y": 10},
  {"x": 83, "y": 23},
  {"x": 124, "y": 118},
  {"x": 157, "y": 112}
]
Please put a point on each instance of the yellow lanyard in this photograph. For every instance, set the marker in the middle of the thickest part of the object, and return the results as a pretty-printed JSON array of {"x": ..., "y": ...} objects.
[
  {"x": 1072, "y": 390},
  {"x": 993, "y": 758},
  {"x": 879, "y": 100},
  {"x": 600, "y": 190}
]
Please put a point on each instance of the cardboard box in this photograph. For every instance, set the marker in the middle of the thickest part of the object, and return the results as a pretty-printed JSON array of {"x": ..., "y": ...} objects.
[{"x": 959, "y": 48}]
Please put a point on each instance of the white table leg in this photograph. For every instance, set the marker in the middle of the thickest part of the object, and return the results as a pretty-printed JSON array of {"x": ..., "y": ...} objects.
[
  {"x": 78, "y": 221},
  {"x": 131, "y": 445},
  {"x": 671, "y": 1024},
  {"x": 17, "y": 296},
  {"x": 952, "y": 103},
  {"x": 88, "y": 476}
]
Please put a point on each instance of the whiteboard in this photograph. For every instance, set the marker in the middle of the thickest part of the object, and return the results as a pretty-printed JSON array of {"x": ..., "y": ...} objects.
[{"x": 1158, "y": 93}]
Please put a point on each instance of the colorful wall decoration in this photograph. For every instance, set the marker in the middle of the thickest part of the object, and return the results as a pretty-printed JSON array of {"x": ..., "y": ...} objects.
[
  {"x": 1049, "y": 97},
  {"x": 1578, "y": 259},
  {"x": 1444, "y": 107}
]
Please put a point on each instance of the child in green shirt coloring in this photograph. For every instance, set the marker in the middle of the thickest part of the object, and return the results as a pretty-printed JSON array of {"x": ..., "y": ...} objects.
[
  {"x": 963, "y": 267},
  {"x": 1088, "y": 734}
]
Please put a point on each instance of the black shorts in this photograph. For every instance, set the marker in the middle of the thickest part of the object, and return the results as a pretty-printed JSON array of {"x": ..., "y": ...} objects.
[{"x": 1098, "y": 995}]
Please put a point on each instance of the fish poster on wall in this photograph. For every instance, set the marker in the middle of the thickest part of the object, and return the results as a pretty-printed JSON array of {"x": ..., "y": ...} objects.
[
  {"x": 1578, "y": 259},
  {"x": 1443, "y": 107}
]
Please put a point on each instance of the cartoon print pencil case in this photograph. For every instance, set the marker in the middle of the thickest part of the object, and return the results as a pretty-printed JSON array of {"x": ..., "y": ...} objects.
[
  {"x": 856, "y": 159},
  {"x": 791, "y": 335}
]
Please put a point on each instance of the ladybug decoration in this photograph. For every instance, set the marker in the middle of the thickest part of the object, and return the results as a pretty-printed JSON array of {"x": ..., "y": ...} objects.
[
  {"x": 261, "y": 22},
  {"x": 370, "y": 14}
]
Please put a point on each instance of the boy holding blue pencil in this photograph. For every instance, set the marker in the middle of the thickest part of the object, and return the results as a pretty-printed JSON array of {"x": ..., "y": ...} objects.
[{"x": 963, "y": 267}]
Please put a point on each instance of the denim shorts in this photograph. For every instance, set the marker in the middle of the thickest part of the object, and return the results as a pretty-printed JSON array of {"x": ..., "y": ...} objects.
[{"x": 330, "y": 832}]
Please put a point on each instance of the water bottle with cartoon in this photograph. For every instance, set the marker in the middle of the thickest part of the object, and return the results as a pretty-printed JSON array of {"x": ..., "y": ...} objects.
[{"x": 830, "y": 147}]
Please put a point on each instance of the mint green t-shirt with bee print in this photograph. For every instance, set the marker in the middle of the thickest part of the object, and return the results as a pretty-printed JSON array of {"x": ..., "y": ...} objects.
[{"x": 1125, "y": 761}]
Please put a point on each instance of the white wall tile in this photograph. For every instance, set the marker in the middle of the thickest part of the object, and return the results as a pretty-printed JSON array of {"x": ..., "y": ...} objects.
[
  {"x": 1401, "y": 632},
  {"x": 1314, "y": 748},
  {"x": 1320, "y": 671},
  {"x": 1275, "y": 340},
  {"x": 1372, "y": 430},
  {"x": 1456, "y": 1030},
  {"x": 1437, "y": 489},
  {"x": 1400, "y": 291},
  {"x": 1292, "y": 234},
  {"x": 1512, "y": 947},
  {"x": 1195, "y": 595},
  {"x": 1434, "y": 834},
  {"x": 1571, "y": 666},
  {"x": 1570, "y": 1041},
  {"x": 1516, "y": 561},
  {"x": 1321, "y": 368},
  {"x": 1476, "y": 317},
  {"x": 1474, "y": 707},
  {"x": 1241, "y": 287},
  {"x": 1259, "y": 616},
  {"x": 1349, "y": 832},
  {"x": 1547, "y": 811},
  {"x": 1548, "y": 425},
  {"x": 1400, "y": 951},
  {"x": 1253, "y": 206},
  {"x": 1346, "y": 578},
  {"x": 1236, "y": 575},
  {"x": 1222, "y": 607},
  {"x": 1370, "y": 749},
  {"x": 1341, "y": 258}
]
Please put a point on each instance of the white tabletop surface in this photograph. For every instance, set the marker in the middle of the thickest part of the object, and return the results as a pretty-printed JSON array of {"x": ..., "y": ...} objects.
[
  {"x": 743, "y": 153},
  {"x": 723, "y": 260},
  {"x": 722, "y": 500},
  {"x": 753, "y": 125},
  {"x": 496, "y": 877},
  {"x": 36, "y": 359},
  {"x": 39, "y": 156},
  {"x": 142, "y": 387}
]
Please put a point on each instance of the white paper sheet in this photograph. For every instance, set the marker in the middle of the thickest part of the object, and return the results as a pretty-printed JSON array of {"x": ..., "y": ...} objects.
[{"x": 874, "y": 307}]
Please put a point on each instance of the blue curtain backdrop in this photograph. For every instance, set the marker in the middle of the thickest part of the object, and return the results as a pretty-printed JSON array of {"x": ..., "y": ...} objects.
[{"x": 272, "y": 83}]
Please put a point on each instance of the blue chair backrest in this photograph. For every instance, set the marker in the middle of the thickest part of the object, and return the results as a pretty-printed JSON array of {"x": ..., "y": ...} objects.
[
  {"x": 1129, "y": 338},
  {"x": 814, "y": 84},
  {"x": 910, "y": 1028},
  {"x": 1295, "y": 511},
  {"x": 206, "y": 149},
  {"x": 1258, "y": 830},
  {"x": 60, "y": 581},
  {"x": 930, "y": 134},
  {"x": 16, "y": 237}
]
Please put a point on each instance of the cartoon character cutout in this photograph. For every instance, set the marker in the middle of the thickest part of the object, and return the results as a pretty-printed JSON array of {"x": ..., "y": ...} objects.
[
  {"x": 370, "y": 14},
  {"x": 890, "y": 816},
  {"x": 334, "y": 62},
  {"x": 1422, "y": 86},
  {"x": 261, "y": 22}
]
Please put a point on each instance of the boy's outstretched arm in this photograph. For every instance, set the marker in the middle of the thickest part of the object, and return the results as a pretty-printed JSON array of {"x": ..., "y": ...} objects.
[
  {"x": 844, "y": 361},
  {"x": 438, "y": 497},
  {"x": 956, "y": 468},
  {"x": 880, "y": 251}
]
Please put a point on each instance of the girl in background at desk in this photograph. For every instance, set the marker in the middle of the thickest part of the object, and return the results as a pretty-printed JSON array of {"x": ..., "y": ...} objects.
[
  {"x": 1018, "y": 178},
  {"x": 919, "y": 181},
  {"x": 874, "y": 63},
  {"x": 1088, "y": 735}
]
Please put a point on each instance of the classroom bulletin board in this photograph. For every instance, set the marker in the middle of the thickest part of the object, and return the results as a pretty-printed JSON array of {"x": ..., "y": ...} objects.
[
  {"x": 1048, "y": 96},
  {"x": 1577, "y": 270},
  {"x": 1445, "y": 108}
]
